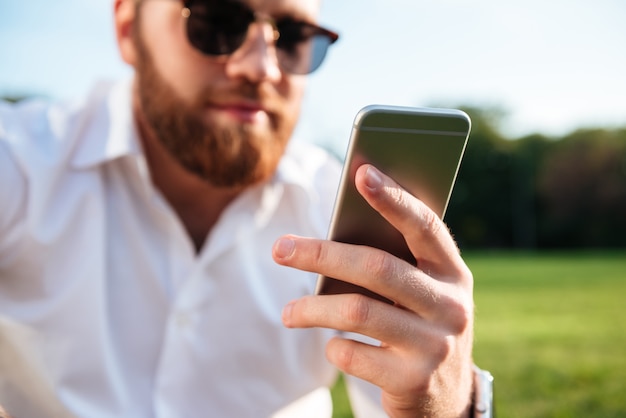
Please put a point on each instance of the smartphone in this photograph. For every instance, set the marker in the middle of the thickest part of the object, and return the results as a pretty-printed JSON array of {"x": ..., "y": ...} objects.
[{"x": 421, "y": 149}]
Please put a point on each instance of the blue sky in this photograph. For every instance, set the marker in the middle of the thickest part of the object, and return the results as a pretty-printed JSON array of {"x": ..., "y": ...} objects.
[{"x": 553, "y": 65}]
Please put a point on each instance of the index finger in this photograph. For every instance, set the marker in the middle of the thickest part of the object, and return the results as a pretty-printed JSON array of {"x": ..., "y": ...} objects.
[
  {"x": 371, "y": 268},
  {"x": 425, "y": 233}
]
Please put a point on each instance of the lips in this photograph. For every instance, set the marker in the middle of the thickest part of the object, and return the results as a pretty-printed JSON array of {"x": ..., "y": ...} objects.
[{"x": 242, "y": 111}]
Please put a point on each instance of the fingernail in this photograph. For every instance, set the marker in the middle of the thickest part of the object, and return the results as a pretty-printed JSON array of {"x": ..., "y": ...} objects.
[
  {"x": 284, "y": 247},
  {"x": 373, "y": 180},
  {"x": 286, "y": 314}
]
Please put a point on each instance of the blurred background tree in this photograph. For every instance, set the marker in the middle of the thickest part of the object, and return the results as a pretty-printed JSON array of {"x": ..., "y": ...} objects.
[
  {"x": 537, "y": 192},
  {"x": 582, "y": 190}
]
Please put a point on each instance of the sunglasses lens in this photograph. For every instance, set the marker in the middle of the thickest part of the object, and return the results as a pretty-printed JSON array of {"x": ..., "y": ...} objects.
[
  {"x": 218, "y": 27},
  {"x": 301, "y": 47},
  {"x": 305, "y": 57}
]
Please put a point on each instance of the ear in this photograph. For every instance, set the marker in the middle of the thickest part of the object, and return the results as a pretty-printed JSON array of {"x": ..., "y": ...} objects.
[{"x": 124, "y": 26}]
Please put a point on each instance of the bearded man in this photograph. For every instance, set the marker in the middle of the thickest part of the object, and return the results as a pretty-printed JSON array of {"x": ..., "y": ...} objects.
[{"x": 160, "y": 239}]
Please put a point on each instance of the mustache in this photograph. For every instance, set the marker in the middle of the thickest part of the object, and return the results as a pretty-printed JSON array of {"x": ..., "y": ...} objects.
[{"x": 244, "y": 90}]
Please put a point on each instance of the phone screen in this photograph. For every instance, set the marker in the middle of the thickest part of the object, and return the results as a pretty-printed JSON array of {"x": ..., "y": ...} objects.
[{"x": 421, "y": 149}]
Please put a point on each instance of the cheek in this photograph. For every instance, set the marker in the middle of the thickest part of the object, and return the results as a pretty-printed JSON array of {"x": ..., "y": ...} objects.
[
  {"x": 174, "y": 59},
  {"x": 293, "y": 92}
]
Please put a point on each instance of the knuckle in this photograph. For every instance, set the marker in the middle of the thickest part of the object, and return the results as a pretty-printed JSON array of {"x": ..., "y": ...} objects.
[
  {"x": 461, "y": 318},
  {"x": 319, "y": 253},
  {"x": 442, "y": 350},
  {"x": 379, "y": 265},
  {"x": 356, "y": 311},
  {"x": 466, "y": 276},
  {"x": 343, "y": 355},
  {"x": 431, "y": 224},
  {"x": 417, "y": 378},
  {"x": 459, "y": 314},
  {"x": 397, "y": 195},
  {"x": 462, "y": 311}
]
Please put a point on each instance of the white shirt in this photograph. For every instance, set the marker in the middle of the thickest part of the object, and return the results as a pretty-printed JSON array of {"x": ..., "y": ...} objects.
[{"x": 106, "y": 310}]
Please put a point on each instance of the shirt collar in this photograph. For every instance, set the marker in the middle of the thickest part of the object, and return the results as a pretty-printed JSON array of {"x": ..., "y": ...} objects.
[
  {"x": 107, "y": 130},
  {"x": 296, "y": 166}
]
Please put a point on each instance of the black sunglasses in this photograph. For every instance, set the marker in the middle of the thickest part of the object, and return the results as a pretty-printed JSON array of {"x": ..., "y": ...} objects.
[{"x": 220, "y": 27}]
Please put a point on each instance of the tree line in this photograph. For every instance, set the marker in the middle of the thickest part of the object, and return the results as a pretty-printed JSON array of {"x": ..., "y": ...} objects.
[{"x": 539, "y": 192}]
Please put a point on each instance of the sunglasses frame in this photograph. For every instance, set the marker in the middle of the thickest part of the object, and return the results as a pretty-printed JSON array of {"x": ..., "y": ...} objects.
[{"x": 314, "y": 31}]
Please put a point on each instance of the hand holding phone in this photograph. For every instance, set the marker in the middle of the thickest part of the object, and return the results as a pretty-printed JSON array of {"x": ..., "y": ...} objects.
[
  {"x": 421, "y": 353},
  {"x": 421, "y": 149}
]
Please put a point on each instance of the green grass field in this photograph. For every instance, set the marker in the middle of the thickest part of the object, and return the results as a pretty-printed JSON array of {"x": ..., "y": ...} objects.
[{"x": 552, "y": 329}]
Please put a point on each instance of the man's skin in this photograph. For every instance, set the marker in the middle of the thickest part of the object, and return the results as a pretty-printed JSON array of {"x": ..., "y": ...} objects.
[
  {"x": 3, "y": 413},
  {"x": 424, "y": 364}
]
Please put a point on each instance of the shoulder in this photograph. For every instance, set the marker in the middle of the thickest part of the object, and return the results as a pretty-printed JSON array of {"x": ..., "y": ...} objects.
[
  {"x": 50, "y": 133},
  {"x": 36, "y": 125},
  {"x": 42, "y": 147}
]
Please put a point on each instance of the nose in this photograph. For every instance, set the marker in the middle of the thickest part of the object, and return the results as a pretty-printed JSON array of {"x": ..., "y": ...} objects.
[{"x": 256, "y": 59}]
